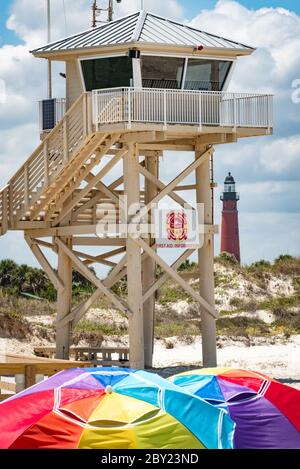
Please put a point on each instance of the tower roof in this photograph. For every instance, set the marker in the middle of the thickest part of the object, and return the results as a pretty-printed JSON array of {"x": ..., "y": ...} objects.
[
  {"x": 229, "y": 179},
  {"x": 144, "y": 28}
]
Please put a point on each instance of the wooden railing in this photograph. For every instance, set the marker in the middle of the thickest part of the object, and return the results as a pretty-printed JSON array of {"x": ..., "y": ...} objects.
[
  {"x": 18, "y": 372},
  {"x": 4, "y": 210},
  {"x": 46, "y": 162},
  {"x": 165, "y": 106}
]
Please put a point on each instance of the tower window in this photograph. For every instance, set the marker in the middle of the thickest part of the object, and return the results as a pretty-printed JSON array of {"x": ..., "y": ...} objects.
[
  {"x": 209, "y": 75},
  {"x": 110, "y": 72},
  {"x": 162, "y": 72}
]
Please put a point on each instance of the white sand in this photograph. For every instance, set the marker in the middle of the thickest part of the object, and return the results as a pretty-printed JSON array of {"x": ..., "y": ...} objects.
[{"x": 280, "y": 360}]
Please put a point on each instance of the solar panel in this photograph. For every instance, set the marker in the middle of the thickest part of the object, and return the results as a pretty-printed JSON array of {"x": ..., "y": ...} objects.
[{"x": 48, "y": 114}]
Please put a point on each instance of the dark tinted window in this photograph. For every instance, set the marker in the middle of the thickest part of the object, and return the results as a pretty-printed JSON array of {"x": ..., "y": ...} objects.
[
  {"x": 162, "y": 72},
  {"x": 109, "y": 72}
]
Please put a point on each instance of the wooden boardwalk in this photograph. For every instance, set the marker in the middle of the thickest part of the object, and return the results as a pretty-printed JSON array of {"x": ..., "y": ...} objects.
[{"x": 28, "y": 370}]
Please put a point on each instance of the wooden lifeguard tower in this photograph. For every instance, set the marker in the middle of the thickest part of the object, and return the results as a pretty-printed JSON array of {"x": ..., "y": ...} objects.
[{"x": 135, "y": 88}]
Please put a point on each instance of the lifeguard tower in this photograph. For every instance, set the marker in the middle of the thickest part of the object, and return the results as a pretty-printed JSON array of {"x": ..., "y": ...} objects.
[{"x": 135, "y": 88}]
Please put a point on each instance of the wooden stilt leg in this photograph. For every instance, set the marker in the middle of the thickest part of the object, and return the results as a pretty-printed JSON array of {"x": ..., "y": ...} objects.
[
  {"x": 134, "y": 263},
  {"x": 64, "y": 303},
  {"x": 149, "y": 266},
  {"x": 206, "y": 263}
]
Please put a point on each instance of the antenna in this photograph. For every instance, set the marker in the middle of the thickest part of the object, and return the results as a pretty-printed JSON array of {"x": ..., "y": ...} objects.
[
  {"x": 142, "y": 4},
  {"x": 97, "y": 11},
  {"x": 49, "y": 74}
]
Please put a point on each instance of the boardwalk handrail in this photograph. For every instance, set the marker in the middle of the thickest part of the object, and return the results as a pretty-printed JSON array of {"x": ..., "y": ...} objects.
[
  {"x": 45, "y": 163},
  {"x": 169, "y": 106}
]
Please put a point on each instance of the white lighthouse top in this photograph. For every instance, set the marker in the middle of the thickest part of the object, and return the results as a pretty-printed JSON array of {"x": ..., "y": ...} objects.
[{"x": 142, "y": 28}]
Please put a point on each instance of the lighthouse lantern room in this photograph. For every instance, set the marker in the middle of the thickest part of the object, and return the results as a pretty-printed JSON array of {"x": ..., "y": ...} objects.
[{"x": 137, "y": 88}]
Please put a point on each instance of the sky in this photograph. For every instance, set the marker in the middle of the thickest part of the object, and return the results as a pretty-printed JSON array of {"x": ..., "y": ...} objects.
[{"x": 267, "y": 170}]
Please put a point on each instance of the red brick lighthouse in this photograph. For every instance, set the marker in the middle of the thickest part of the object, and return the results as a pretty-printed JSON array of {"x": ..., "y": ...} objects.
[{"x": 230, "y": 241}]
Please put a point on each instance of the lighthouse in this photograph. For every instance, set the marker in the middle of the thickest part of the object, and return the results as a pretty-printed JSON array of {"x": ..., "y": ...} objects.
[{"x": 230, "y": 241}]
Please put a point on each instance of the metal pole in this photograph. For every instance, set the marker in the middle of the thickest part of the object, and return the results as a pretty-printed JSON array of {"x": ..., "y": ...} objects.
[
  {"x": 49, "y": 40},
  {"x": 110, "y": 11},
  {"x": 94, "y": 14}
]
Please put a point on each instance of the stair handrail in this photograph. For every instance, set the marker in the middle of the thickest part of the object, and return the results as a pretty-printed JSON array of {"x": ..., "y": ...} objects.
[
  {"x": 39, "y": 160},
  {"x": 47, "y": 138}
]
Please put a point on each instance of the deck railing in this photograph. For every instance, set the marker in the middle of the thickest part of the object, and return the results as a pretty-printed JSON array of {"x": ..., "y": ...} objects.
[{"x": 165, "y": 106}]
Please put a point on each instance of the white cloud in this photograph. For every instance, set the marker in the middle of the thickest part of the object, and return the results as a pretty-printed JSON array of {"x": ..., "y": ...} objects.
[
  {"x": 281, "y": 154},
  {"x": 28, "y": 18},
  {"x": 274, "y": 31}
]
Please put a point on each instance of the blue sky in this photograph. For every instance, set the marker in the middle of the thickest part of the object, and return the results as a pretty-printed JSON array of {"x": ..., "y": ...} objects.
[
  {"x": 267, "y": 170},
  {"x": 6, "y": 36},
  {"x": 191, "y": 9},
  {"x": 192, "y": 6}
]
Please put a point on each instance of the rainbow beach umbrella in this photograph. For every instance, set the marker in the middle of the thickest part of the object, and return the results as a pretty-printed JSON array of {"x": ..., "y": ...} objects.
[
  {"x": 106, "y": 408},
  {"x": 266, "y": 412}
]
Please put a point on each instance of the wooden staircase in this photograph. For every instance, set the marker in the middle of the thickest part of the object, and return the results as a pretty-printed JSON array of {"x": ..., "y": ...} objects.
[{"x": 56, "y": 169}]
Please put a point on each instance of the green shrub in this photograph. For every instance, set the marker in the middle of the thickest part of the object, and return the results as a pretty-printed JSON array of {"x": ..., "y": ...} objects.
[
  {"x": 242, "y": 326},
  {"x": 227, "y": 259},
  {"x": 19, "y": 279}
]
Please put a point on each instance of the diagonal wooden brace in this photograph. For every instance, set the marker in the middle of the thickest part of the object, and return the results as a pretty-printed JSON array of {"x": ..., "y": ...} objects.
[
  {"x": 117, "y": 273},
  {"x": 83, "y": 269},
  {"x": 162, "y": 186},
  {"x": 161, "y": 280},
  {"x": 205, "y": 305},
  {"x": 54, "y": 278},
  {"x": 172, "y": 185}
]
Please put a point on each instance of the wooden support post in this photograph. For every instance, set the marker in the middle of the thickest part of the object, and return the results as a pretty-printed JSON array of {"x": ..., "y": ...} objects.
[
  {"x": 134, "y": 263},
  {"x": 30, "y": 373},
  {"x": 64, "y": 302},
  {"x": 149, "y": 265},
  {"x": 206, "y": 263}
]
